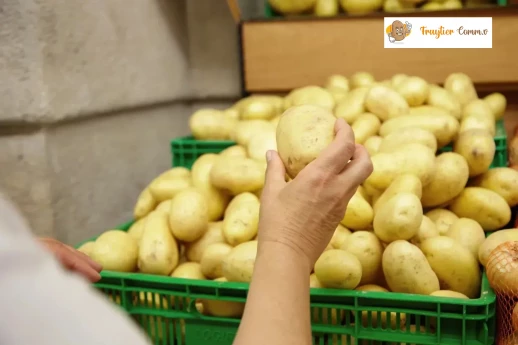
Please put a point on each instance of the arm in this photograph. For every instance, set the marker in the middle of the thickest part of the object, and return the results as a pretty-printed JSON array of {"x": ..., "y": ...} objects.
[
  {"x": 277, "y": 309},
  {"x": 45, "y": 305}
]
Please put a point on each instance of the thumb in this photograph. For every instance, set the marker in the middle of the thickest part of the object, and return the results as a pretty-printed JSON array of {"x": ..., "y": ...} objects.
[{"x": 275, "y": 172}]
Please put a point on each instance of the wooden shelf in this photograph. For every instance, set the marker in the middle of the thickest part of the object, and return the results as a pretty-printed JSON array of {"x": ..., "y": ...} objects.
[{"x": 282, "y": 54}]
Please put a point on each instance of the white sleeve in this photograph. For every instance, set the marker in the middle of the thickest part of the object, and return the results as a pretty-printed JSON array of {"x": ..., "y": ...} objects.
[{"x": 43, "y": 304}]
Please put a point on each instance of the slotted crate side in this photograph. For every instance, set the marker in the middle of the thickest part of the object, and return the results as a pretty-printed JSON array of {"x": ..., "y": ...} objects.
[{"x": 186, "y": 150}]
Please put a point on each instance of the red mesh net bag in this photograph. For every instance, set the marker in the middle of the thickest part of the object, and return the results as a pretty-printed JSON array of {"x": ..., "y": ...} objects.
[{"x": 502, "y": 273}]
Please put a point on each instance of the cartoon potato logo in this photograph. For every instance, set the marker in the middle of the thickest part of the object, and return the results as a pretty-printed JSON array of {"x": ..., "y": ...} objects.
[{"x": 398, "y": 31}]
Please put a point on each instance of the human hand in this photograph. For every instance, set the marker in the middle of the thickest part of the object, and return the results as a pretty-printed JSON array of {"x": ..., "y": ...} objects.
[
  {"x": 303, "y": 214},
  {"x": 73, "y": 260}
]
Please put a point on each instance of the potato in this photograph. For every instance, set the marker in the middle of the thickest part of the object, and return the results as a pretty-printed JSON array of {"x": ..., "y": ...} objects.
[
  {"x": 338, "y": 269},
  {"x": 399, "y": 218},
  {"x": 430, "y": 111},
  {"x": 338, "y": 94},
  {"x": 497, "y": 102},
  {"x": 448, "y": 180},
  {"x": 231, "y": 113},
  {"x": 449, "y": 294},
  {"x": 478, "y": 123},
  {"x": 211, "y": 124},
  {"x": 241, "y": 219},
  {"x": 372, "y": 144},
  {"x": 361, "y": 79},
  {"x": 371, "y": 287},
  {"x": 234, "y": 151},
  {"x": 478, "y": 108},
  {"x": 414, "y": 90},
  {"x": 385, "y": 103},
  {"x": 211, "y": 263},
  {"x": 413, "y": 158},
  {"x": 478, "y": 148},
  {"x": 503, "y": 181},
  {"x": 468, "y": 233},
  {"x": 352, "y": 105},
  {"x": 164, "y": 206},
  {"x": 397, "y": 6},
  {"x": 444, "y": 127},
  {"x": 188, "y": 270},
  {"x": 406, "y": 183},
  {"x": 169, "y": 183},
  {"x": 303, "y": 132},
  {"x": 339, "y": 236},
  {"x": 214, "y": 234},
  {"x": 383, "y": 317},
  {"x": 408, "y": 135},
  {"x": 145, "y": 204},
  {"x": 245, "y": 129},
  {"x": 237, "y": 175},
  {"x": 455, "y": 266},
  {"x": 461, "y": 87},
  {"x": 313, "y": 281},
  {"x": 137, "y": 229},
  {"x": 189, "y": 215},
  {"x": 292, "y": 7},
  {"x": 486, "y": 207},
  {"x": 223, "y": 308},
  {"x": 367, "y": 248},
  {"x": 407, "y": 270},
  {"x": 365, "y": 126},
  {"x": 311, "y": 95},
  {"x": 158, "y": 251},
  {"x": 238, "y": 265},
  {"x": 359, "y": 214},
  {"x": 442, "y": 98},
  {"x": 115, "y": 250},
  {"x": 255, "y": 108},
  {"x": 442, "y": 218},
  {"x": 337, "y": 81},
  {"x": 87, "y": 248},
  {"x": 260, "y": 143},
  {"x": 397, "y": 79},
  {"x": 493, "y": 241},
  {"x": 426, "y": 230}
]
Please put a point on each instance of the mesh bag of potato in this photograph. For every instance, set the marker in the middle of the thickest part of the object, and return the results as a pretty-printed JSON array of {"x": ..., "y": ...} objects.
[{"x": 502, "y": 273}]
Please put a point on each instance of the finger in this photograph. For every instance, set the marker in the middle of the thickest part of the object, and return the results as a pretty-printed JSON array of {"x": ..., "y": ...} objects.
[
  {"x": 275, "y": 172},
  {"x": 95, "y": 265},
  {"x": 335, "y": 157},
  {"x": 359, "y": 168},
  {"x": 79, "y": 265}
]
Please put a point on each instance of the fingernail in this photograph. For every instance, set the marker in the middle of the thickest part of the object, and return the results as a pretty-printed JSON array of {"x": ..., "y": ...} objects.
[{"x": 268, "y": 156}]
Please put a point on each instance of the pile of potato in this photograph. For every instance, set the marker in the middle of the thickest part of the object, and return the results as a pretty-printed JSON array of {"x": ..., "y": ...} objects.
[{"x": 327, "y": 8}]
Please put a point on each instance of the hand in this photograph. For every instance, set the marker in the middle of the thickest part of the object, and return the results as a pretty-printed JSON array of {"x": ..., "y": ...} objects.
[
  {"x": 303, "y": 214},
  {"x": 408, "y": 26},
  {"x": 73, "y": 260}
]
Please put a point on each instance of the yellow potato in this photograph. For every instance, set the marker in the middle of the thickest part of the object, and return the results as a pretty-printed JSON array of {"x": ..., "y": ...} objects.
[
  {"x": 478, "y": 108},
  {"x": 449, "y": 294},
  {"x": 211, "y": 263},
  {"x": 365, "y": 127},
  {"x": 497, "y": 102},
  {"x": 188, "y": 270},
  {"x": 115, "y": 250},
  {"x": 478, "y": 123},
  {"x": 275, "y": 121},
  {"x": 234, "y": 151},
  {"x": 397, "y": 6},
  {"x": 478, "y": 148},
  {"x": 232, "y": 113},
  {"x": 241, "y": 219},
  {"x": 503, "y": 181},
  {"x": 448, "y": 180},
  {"x": 413, "y": 158},
  {"x": 211, "y": 124},
  {"x": 406, "y": 183},
  {"x": 368, "y": 250},
  {"x": 339, "y": 236},
  {"x": 372, "y": 144},
  {"x": 145, "y": 204},
  {"x": 292, "y": 7},
  {"x": 260, "y": 143},
  {"x": 237, "y": 175},
  {"x": 296, "y": 134},
  {"x": 431, "y": 111},
  {"x": 158, "y": 250},
  {"x": 238, "y": 265},
  {"x": 338, "y": 269},
  {"x": 326, "y": 8},
  {"x": 371, "y": 287},
  {"x": 352, "y": 105},
  {"x": 407, "y": 270},
  {"x": 493, "y": 241},
  {"x": 414, "y": 90},
  {"x": 313, "y": 281},
  {"x": 361, "y": 79},
  {"x": 426, "y": 230},
  {"x": 461, "y": 87},
  {"x": 337, "y": 81},
  {"x": 164, "y": 206},
  {"x": 87, "y": 248},
  {"x": 408, "y": 135},
  {"x": 169, "y": 183},
  {"x": 137, "y": 229},
  {"x": 468, "y": 233},
  {"x": 338, "y": 94},
  {"x": 444, "y": 127},
  {"x": 257, "y": 109},
  {"x": 214, "y": 234},
  {"x": 385, "y": 103},
  {"x": 245, "y": 129},
  {"x": 364, "y": 193},
  {"x": 442, "y": 218},
  {"x": 442, "y": 98},
  {"x": 189, "y": 215},
  {"x": 455, "y": 266},
  {"x": 397, "y": 79},
  {"x": 311, "y": 95},
  {"x": 399, "y": 218},
  {"x": 486, "y": 207},
  {"x": 223, "y": 308},
  {"x": 359, "y": 213}
]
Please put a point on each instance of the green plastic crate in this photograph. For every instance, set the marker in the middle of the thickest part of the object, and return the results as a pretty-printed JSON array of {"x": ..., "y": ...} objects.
[
  {"x": 186, "y": 150},
  {"x": 171, "y": 317}
]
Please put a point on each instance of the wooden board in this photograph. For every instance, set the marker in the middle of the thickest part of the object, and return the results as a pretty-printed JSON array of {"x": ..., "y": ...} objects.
[{"x": 280, "y": 55}]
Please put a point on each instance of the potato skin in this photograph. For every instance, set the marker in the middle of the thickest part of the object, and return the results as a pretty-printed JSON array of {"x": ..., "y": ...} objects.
[
  {"x": 408, "y": 135},
  {"x": 406, "y": 183},
  {"x": 241, "y": 219},
  {"x": 359, "y": 213},
  {"x": 237, "y": 175},
  {"x": 503, "y": 181},
  {"x": 365, "y": 127},
  {"x": 493, "y": 241},
  {"x": 399, "y": 218},
  {"x": 338, "y": 269},
  {"x": 189, "y": 215},
  {"x": 414, "y": 90},
  {"x": 238, "y": 265},
  {"x": 385, "y": 103},
  {"x": 407, "y": 270},
  {"x": 478, "y": 148},
  {"x": 367, "y": 248},
  {"x": 442, "y": 218}
]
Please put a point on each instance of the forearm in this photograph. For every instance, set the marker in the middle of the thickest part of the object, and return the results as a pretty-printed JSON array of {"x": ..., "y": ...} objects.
[{"x": 277, "y": 309}]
